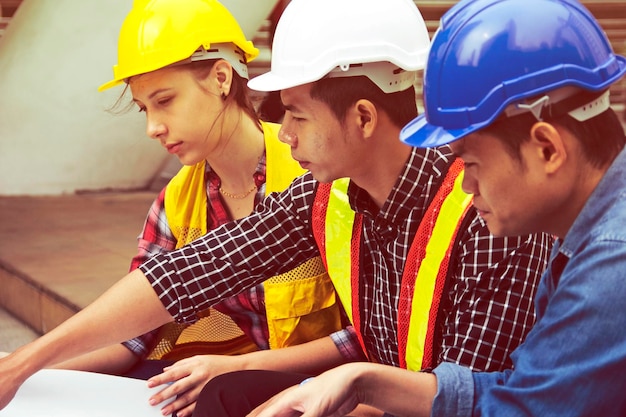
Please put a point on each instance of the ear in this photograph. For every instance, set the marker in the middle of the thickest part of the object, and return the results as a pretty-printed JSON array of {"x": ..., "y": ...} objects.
[
  {"x": 222, "y": 72},
  {"x": 548, "y": 146},
  {"x": 365, "y": 116}
]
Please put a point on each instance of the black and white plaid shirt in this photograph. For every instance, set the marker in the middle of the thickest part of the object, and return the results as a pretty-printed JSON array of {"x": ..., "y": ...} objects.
[{"x": 490, "y": 303}]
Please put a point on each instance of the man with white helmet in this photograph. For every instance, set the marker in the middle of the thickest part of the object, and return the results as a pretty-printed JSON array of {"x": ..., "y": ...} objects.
[
  {"x": 419, "y": 276},
  {"x": 346, "y": 92},
  {"x": 544, "y": 151}
]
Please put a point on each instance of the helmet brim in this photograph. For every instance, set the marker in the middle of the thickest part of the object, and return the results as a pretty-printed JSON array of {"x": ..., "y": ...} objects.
[
  {"x": 272, "y": 82},
  {"x": 418, "y": 132},
  {"x": 109, "y": 84}
]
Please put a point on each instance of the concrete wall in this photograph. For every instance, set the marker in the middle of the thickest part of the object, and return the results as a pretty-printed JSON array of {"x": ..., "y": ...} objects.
[{"x": 56, "y": 135}]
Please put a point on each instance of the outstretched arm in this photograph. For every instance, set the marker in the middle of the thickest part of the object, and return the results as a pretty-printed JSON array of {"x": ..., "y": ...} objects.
[
  {"x": 156, "y": 237},
  {"x": 128, "y": 308},
  {"x": 116, "y": 359}
]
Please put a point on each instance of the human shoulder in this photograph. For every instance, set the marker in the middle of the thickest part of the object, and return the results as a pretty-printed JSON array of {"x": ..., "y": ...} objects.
[{"x": 604, "y": 214}]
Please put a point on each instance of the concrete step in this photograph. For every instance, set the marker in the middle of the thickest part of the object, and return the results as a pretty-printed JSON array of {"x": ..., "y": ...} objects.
[
  {"x": 57, "y": 254},
  {"x": 14, "y": 333}
]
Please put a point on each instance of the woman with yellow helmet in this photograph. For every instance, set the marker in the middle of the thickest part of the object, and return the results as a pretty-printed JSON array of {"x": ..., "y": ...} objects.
[{"x": 185, "y": 63}]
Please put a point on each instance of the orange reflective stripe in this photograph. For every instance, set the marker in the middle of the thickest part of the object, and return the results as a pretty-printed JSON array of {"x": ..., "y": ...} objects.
[{"x": 318, "y": 215}]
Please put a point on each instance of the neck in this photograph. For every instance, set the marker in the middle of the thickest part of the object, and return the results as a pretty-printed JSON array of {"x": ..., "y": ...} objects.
[
  {"x": 235, "y": 161},
  {"x": 380, "y": 165}
]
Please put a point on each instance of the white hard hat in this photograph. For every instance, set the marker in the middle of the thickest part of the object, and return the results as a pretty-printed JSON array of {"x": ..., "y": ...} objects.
[{"x": 386, "y": 40}]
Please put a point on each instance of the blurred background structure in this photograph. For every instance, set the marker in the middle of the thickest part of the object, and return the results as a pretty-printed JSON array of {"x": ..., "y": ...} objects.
[
  {"x": 55, "y": 133},
  {"x": 76, "y": 180},
  {"x": 56, "y": 136}
]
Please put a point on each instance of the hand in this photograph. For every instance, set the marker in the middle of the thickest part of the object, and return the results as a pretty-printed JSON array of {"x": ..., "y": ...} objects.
[
  {"x": 187, "y": 377},
  {"x": 329, "y": 394}
]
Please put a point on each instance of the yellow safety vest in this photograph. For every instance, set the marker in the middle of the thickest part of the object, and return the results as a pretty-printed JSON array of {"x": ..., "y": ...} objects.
[
  {"x": 337, "y": 230},
  {"x": 300, "y": 305}
]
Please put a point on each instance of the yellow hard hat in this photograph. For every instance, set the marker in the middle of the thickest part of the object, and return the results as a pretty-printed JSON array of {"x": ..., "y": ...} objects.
[{"x": 158, "y": 33}]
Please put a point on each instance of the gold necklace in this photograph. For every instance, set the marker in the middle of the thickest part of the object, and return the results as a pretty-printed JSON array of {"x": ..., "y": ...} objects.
[{"x": 237, "y": 196}]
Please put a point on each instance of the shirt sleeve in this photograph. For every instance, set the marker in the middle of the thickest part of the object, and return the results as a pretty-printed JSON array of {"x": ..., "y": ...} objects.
[
  {"x": 156, "y": 237},
  {"x": 489, "y": 309},
  {"x": 142, "y": 345},
  {"x": 573, "y": 360},
  {"x": 347, "y": 344},
  {"x": 274, "y": 239},
  {"x": 455, "y": 391}
]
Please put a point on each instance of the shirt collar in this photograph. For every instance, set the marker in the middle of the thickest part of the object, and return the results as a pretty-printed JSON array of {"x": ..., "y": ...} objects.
[
  {"x": 606, "y": 197},
  {"x": 423, "y": 168}
]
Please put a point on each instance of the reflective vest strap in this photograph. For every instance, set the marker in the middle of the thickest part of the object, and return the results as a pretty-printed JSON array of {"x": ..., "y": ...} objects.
[
  {"x": 333, "y": 223},
  {"x": 426, "y": 270},
  {"x": 281, "y": 167},
  {"x": 457, "y": 205},
  {"x": 185, "y": 195},
  {"x": 337, "y": 252},
  {"x": 185, "y": 204}
]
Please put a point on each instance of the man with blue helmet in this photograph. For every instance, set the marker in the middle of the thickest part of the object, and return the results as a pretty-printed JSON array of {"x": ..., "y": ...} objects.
[
  {"x": 420, "y": 278},
  {"x": 519, "y": 89}
]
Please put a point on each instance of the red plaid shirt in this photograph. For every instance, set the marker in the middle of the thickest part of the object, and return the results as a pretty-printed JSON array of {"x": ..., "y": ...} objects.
[{"x": 247, "y": 309}]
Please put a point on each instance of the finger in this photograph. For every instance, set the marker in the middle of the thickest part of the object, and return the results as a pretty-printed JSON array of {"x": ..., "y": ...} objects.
[
  {"x": 181, "y": 403},
  {"x": 168, "y": 376},
  {"x": 168, "y": 392},
  {"x": 186, "y": 411}
]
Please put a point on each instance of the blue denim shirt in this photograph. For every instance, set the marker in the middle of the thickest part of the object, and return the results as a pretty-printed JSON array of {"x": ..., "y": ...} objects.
[{"x": 573, "y": 361}]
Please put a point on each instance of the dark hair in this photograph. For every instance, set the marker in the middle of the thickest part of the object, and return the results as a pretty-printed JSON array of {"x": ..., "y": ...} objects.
[
  {"x": 601, "y": 137},
  {"x": 342, "y": 92}
]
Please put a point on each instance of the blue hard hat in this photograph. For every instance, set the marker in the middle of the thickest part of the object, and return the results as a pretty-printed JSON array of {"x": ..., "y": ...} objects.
[{"x": 488, "y": 54}]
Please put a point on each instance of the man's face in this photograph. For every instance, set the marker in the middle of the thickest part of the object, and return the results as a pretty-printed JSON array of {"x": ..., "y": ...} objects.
[
  {"x": 509, "y": 193},
  {"x": 319, "y": 142}
]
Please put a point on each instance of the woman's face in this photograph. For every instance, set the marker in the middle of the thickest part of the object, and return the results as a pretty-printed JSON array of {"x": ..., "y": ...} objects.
[{"x": 182, "y": 111}]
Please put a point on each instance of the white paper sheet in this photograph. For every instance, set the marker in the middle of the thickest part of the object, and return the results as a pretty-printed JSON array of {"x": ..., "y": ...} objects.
[{"x": 62, "y": 393}]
